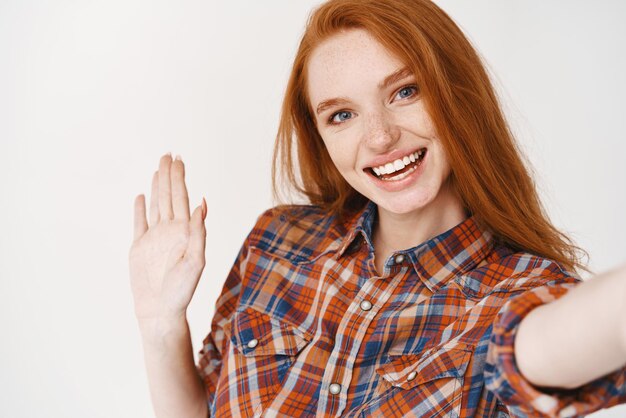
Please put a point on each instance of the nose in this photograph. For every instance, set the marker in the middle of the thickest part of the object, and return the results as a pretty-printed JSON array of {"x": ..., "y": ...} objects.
[{"x": 381, "y": 132}]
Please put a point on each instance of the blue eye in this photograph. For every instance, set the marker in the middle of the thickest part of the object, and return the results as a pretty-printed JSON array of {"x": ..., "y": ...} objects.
[
  {"x": 407, "y": 91},
  {"x": 339, "y": 117}
]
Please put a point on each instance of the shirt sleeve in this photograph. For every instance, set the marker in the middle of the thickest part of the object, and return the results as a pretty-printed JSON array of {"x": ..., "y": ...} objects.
[
  {"x": 504, "y": 379},
  {"x": 214, "y": 344}
]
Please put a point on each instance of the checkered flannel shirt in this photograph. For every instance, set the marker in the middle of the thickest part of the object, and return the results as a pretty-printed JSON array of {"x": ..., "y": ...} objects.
[{"x": 306, "y": 327}]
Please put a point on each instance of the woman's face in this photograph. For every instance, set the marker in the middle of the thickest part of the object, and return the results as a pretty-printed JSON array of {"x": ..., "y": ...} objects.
[{"x": 374, "y": 124}]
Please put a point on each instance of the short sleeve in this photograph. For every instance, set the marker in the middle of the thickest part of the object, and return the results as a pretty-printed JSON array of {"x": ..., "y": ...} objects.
[{"x": 504, "y": 379}]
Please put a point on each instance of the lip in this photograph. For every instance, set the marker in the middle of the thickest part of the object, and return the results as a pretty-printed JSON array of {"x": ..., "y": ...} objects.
[
  {"x": 391, "y": 157},
  {"x": 394, "y": 186}
]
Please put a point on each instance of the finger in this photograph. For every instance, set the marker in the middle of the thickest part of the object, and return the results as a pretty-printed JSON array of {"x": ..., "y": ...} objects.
[
  {"x": 165, "y": 188},
  {"x": 180, "y": 198},
  {"x": 154, "y": 200},
  {"x": 197, "y": 237},
  {"x": 141, "y": 225}
]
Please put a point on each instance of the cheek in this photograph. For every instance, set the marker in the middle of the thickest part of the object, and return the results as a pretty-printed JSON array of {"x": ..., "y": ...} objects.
[
  {"x": 428, "y": 125},
  {"x": 341, "y": 152},
  {"x": 443, "y": 157},
  {"x": 417, "y": 121}
]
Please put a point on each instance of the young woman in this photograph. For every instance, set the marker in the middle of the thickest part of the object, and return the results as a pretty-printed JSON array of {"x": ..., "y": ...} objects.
[{"x": 418, "y": 281}]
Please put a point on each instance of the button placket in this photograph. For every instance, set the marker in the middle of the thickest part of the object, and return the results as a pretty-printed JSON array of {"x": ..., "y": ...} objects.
[
  {"x": 359, "y": 317},
  {"x": 338, "y": 378}
]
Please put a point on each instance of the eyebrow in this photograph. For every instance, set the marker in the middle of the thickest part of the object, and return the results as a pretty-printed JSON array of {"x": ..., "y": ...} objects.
[{"x": 394, "y": 77}]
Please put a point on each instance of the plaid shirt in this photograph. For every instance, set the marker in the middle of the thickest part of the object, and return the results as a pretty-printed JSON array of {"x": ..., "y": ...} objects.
[{"x": 305, "y": 327}]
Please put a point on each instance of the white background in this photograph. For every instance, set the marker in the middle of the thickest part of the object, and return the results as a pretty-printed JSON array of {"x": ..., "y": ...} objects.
[{"x": 92, "y": 93}]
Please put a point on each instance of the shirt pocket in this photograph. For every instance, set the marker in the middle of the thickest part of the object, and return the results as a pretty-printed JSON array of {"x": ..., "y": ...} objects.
[
  {"x": 427, "y": 384},
  {"x": 257, "y": 334},
  {"x": 263, "y": 349}
]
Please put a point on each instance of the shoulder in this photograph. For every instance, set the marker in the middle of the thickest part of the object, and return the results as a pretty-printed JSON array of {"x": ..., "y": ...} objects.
[
  {"x": 298, "y": 233},
  {"x": 507, "y": 271},
  {"x": 529, "y": 270}
]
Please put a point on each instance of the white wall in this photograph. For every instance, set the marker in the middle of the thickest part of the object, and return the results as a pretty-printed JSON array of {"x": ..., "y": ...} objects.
[{"x": 93, "y": 92}]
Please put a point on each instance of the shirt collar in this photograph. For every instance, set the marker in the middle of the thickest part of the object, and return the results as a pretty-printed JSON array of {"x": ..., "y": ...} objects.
[
  {"x": 458, "y": 250},
  {"x": 359, "y": 226}
]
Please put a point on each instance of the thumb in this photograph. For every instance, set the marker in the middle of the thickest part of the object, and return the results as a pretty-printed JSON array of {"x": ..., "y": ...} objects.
[{"x": 197, "y": 235}]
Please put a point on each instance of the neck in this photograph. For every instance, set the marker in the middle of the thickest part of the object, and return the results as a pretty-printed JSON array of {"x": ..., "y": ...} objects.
[{"x": 395, "y": 232}]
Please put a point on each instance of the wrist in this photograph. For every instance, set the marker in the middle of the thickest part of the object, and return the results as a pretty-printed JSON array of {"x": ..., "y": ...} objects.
[{"x": 162, "y": 329}]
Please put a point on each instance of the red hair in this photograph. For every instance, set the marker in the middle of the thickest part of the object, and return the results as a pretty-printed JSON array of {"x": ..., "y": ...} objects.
[{"x": 494, "y": 184}]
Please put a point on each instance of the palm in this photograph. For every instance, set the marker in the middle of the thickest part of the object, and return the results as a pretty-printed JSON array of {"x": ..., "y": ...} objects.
[{"x": 166, "y": 258}]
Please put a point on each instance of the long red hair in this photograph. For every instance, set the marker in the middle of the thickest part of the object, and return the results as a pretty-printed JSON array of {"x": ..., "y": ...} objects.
[{"x": 487, "y": 168}]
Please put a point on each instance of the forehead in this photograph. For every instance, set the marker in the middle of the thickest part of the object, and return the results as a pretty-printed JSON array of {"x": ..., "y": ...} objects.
[{"x": 347, "y": 63}]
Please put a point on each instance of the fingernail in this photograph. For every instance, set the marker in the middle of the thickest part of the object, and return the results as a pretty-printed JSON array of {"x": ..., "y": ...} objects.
[
  {"x": 178, "y": 157},
  {"x": 169, "y": 154},
  {"x": 203, "y": 208}
]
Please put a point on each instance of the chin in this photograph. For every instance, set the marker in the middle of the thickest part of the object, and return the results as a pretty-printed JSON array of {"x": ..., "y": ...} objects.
[{"x": 404, "y": 204}]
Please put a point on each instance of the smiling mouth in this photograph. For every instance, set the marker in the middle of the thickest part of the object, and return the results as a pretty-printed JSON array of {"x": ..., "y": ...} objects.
[{"x": 400, "y": 168}]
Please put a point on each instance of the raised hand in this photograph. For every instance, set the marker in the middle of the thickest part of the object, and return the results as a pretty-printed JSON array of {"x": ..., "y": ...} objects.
[{"x": 166, "y": 257}]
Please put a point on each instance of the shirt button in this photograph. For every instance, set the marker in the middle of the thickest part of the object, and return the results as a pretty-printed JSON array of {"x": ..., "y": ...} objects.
[
  {"x": 334, "y": 388},
  {"x": 411, "y": 376},
  {"x": 365, "y": 305},
  {"x": 253, "y": 343},
  {"x": 399, "y": 258}
]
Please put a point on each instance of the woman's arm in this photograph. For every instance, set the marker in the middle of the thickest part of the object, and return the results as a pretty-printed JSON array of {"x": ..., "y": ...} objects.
[
  {"x": 577, "y": 338},
  {"x": 175, "y": 385},
  {"x": 166, "y": 260}
]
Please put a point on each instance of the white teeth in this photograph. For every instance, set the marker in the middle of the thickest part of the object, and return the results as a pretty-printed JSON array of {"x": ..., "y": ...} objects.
[
  {"x": 398, "y": 164},
  {"x": 401, "y": 175}
]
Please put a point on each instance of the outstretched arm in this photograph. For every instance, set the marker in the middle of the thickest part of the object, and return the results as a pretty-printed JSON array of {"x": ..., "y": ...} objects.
[{"x": 577, "y": 338}]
